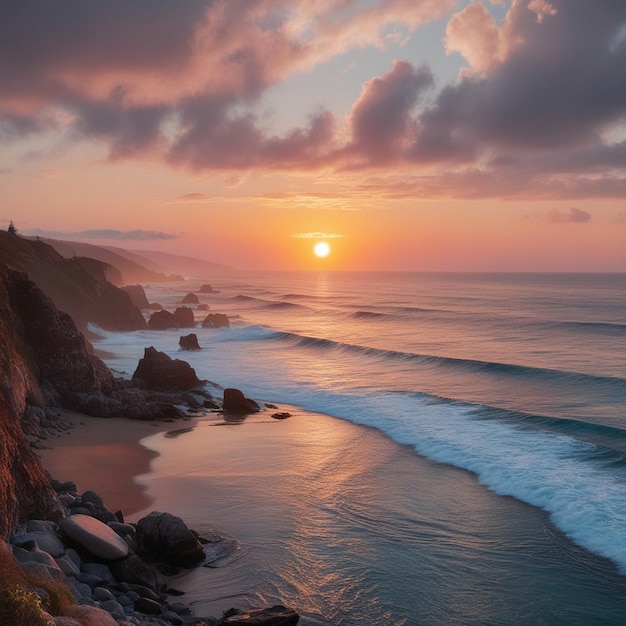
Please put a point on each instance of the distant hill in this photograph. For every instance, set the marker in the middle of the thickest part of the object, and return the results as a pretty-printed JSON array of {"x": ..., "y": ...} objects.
[
  {"x": 185, "y": 265},
  {"x": 130, "y": 267}
]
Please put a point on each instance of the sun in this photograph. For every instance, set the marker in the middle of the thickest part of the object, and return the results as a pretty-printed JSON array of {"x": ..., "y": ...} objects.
[{"x": 321, "y": 249}]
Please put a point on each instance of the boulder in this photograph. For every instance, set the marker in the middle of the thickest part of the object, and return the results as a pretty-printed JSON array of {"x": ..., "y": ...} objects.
[
  {"x": 207, "y": 289},
  {"x": 190, "y": 298},
  {"x": 95, "y": 536},
  {"x": 216, "y": 320},
  {"x": 203, "y": 307},
  {"x": 277, "y": 615},
  {"x": 184, "y": 317},
  {"x": 158, "y": 371},
  {"x": 189, "y": 342},
  {"x": 133, "y": 569},
  {"x": 166, "y": 537},
  {"x": 283, "y": 415},
  {"x": 46, "y": 541},
  {"x": 236, "y": 402},
  {"x": 162, "y": 320}
]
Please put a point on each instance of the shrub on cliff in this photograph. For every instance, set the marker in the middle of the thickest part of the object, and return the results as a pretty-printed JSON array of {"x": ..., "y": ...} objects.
[{"x": 27, "y": 599}]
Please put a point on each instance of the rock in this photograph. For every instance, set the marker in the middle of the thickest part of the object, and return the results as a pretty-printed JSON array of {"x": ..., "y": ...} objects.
[
  {"x": 236, "y": 402},
  {"x": 101, "y": 594},
  {"x": 277, "y": 615},
  {"x": 281, "y": 416},
  {"x": 46, "y": 541},
  {"x": 162, "y": 320},
  {"x": 207, "y": 289},
  {"x": 94, "y": 498},
  {"x": 190, "y": 298},
  {"x": 137, "y": 295},
  {"x": 189, "y": 342},
  {"x": 133, "y": 569},
  {"x": 184, "y": 317},
  {"x": 167, "y": 538},
  {"x": 96, "y": 537},
  {"x": 112, "y": 606},
  {"x": 158, "y": 371},
  {"x": 100, "y": 572},
  {"x": 203, "y": 307},
  {"x": 216, "y": 320},
  {"x": 147, "y": 606},
  {"x": 67, "y": 566}
]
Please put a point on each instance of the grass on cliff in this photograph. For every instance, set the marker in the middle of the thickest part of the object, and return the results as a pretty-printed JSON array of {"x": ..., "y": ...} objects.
[{"x": 24, "y": 596}]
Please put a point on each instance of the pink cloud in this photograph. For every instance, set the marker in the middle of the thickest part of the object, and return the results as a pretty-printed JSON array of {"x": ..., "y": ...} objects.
[
  {"x": 541, "y": 8},
  {"x": 181, "y": 83},
  {"x": 381, "y": 122},
  {"x": 572, "y": 216},
  {"x": 474, "y": 34}
]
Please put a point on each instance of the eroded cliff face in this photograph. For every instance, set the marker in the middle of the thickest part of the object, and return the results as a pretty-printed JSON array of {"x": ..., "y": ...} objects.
[
  {"x": 45, "y": 361},
  {"x": 25, "y": 489},
  {"x": 79, "y": 286}
]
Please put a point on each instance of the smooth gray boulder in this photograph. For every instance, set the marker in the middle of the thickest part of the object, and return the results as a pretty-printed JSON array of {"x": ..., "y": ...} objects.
[
  {"x": 46, "y": 541},
  {"x": 95, "y": 536}
]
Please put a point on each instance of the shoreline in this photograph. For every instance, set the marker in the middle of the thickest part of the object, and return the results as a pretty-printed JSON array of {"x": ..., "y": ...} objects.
[{"x": 105, "y": 455}]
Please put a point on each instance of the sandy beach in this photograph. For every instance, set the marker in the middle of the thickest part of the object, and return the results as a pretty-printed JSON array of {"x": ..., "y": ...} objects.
[{"x": 104, "y": 455}]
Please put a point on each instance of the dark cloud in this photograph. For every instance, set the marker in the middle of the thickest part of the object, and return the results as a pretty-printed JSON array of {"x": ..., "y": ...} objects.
[
  {"x": 557, "y": 89},
  {"x": 181, "y": 81},
  {"x": 381, "y": 120},
  {"x": 213, "y": 138}
]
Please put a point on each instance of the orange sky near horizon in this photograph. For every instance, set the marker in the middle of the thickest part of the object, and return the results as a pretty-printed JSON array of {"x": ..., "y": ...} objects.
[{"x": 446, "y": 136}]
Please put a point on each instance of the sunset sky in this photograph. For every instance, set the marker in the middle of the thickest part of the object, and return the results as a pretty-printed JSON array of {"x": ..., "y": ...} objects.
[{"x": 408, "y": 134}]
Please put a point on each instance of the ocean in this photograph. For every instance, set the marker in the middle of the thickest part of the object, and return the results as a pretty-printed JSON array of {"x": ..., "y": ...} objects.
[{"x": 459, "y": 439}]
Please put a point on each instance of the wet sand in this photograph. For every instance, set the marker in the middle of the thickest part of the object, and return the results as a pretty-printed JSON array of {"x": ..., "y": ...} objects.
[{"x": 105, "y": 455}]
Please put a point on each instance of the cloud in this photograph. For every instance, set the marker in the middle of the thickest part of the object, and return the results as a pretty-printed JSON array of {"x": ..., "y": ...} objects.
[
  {"x": 193, "y": 196},
  {"x": 572, "y": 216},
  {"x": 183, "y": 84},
  {"x": 381, "y": 121},
  {"x": 348, "y": 200},
  {"x": 541, "y": 8},
  {"x": 473, "y": 33},
  {"x": 106, "y": 233},
  {"x": 317, "y": 235}
]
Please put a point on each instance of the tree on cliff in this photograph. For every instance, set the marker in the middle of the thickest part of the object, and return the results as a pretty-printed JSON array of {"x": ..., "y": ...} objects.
[{"x": 11, "y": 229}]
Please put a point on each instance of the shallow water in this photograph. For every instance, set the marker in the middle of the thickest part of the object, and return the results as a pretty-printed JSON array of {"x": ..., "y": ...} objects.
[{"x": 351, "y": 528}]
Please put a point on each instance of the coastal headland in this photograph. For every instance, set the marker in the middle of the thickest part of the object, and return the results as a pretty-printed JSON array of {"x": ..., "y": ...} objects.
[{"x": 54, "y": 532}]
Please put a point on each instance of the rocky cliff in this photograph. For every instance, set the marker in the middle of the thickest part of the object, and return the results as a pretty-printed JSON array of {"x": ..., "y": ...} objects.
[
  {"x": 25, "y": 489},
  {"x": 46, "y": 362},
  {"x": 79, "y": 286}
]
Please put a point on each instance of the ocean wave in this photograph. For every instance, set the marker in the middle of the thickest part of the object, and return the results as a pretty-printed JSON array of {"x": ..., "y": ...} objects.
[
  {"x": 489, "y": 367},
  {"x": 608, "y": 438},
  {"x": 284, "y": 306},
  {"x": 610, "y": 328},
  {"x": 365, "y": 315},
  {"x": 578, "y": 483}
]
